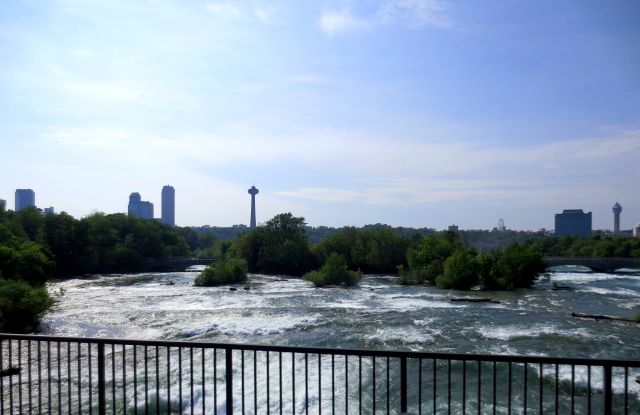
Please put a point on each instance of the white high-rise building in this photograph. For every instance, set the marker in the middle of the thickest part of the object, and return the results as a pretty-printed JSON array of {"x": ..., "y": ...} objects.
[{"x": 168, "y": 205}]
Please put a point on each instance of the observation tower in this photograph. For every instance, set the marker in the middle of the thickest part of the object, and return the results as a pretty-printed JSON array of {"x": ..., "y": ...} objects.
[
  {"x": 616, "y": 218},
  {"x": 253, "y": 192}
]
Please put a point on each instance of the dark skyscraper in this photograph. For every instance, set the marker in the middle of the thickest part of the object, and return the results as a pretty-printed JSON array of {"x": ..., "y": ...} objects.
[
  {"x": 253, "y": 192},
  {"x": 24, "y": 198},
  {"x": 139, "y": 208},
  {"x": 169, "y": 205},
  {"x": 573, "y": 222},
  {"x": 617, "y": 209}
]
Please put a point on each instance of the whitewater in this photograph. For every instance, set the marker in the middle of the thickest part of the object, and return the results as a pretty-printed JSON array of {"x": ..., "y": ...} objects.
[{"x": 378, "y": 314}]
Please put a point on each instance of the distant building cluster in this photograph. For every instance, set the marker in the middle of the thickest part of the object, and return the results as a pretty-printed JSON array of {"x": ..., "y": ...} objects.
[
  {"x": 139, "y": 208},
  {"x": 576, "y": 222},
  {"x": 24, "y": 198},
  {"x": 569, "y": 222},
  {"x": 143, "y": 209}
]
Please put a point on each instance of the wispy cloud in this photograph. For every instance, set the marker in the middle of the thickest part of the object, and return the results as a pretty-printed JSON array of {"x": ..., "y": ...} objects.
[
  {"x": 411, "y": 13},
  {"x": 337, "y": 21},
  {"x": 415, "y": 12},
  {"x": 224, "y": 9}
]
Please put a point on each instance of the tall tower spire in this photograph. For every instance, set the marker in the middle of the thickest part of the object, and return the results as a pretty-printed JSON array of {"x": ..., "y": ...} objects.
[
  {"x": 616, "y": 218},
  {"x": 253, "y": 192}
]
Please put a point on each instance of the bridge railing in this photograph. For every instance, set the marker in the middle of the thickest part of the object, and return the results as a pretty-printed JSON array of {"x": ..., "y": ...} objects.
[
  {"x": 44, "y": 374},
  {"x": 592, "y": 259},
  {"x": 180, "y": 259}
]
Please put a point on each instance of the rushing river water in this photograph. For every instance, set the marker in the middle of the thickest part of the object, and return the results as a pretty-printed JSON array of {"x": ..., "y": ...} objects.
[{"x": 378, "y": 314}]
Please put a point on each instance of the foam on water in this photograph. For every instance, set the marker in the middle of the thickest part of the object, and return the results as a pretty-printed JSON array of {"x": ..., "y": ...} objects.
[
  {"x": 294, "y": 312},
  {"x": 518, "y": 331}
]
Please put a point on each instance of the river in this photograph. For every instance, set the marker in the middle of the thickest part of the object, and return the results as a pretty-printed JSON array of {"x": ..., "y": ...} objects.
[{"x": 378, "y": 314}]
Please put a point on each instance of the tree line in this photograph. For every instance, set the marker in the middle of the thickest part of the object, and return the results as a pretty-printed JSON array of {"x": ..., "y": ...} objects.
[{"x": 35, "y": 248}]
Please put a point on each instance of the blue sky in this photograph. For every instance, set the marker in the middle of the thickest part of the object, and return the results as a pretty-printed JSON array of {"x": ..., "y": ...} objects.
[{"x": 419, "y": 113}]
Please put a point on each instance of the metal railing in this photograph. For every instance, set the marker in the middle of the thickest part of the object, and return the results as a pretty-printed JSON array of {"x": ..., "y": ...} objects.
[{"x": 45, "y": 374}]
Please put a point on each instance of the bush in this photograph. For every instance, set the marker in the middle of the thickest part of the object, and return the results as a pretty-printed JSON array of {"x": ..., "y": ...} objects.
[
  {"x": 460, "y": 271},
  {"x": 22, "y": 306},
  {"x": 225, "y": 271},
  {"x": 517, "y": 266},
  {"x": 334, "y": 272}
]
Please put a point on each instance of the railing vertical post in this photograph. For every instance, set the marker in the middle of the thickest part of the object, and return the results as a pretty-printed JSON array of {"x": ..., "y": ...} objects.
[
  {"x": 606, "y": 386},
  {"x": 229, "y": 379},
  {"x": 403, "y": 384},
  {"x": 101, "y": 382}
]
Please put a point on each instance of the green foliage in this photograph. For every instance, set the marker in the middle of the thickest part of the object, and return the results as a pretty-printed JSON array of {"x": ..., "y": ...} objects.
[
  {"x": 443, "y": 260},
  {"x": 426, "y": 261},
  {"x": 24, "y": 268},
  {"x": 460, "y": 271},
  {"x": 334, "y": 272},
  {"x": 594, "y": 245},
  {"x": 376, "y": 249},
  {"x": 279, "y": 246},
  {"x": 22, "y": 305},
  {"x": 517, "y": 266},
  {"x": 225, "y": 271}
]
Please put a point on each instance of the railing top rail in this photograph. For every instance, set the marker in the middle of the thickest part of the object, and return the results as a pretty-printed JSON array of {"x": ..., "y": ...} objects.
[
  {"x": 330, "y": 351},
  {"x": 590, "y": 258},
  {"x": 179, "y": 258}
]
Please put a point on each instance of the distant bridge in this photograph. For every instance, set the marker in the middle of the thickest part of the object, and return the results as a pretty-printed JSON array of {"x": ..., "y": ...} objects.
[
  {"x": 176, "y": 263},
  {"x": 598, "y": 263}
]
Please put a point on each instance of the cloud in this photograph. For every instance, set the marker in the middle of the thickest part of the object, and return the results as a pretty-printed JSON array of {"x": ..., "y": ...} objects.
[
  {"x": 263, "y": 15},
  {"x": 415, "y": 12},
  {"x": 224, "y": 9},
  {"x": 411, "y": 13},
  {"x": 323, "y": 195},
  {"x": 332, "y": 22}
]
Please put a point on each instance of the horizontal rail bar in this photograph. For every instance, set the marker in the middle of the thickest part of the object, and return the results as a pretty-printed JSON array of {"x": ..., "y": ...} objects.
[{"x": 332, "y": 351}]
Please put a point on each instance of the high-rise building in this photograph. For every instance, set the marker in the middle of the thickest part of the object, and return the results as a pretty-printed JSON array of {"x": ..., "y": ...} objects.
[
  {"x": 253, "y": 192},
  {"x": 139, "y": 208},
  {"x": 48, "y": 210},
  {"x": 169, "y": 205},
  {"x": 573, "y": 222},
  {"x": 617, "y": 209},
  {"x": 3, "y": 203},
  {"x": 24, "y": 198}
]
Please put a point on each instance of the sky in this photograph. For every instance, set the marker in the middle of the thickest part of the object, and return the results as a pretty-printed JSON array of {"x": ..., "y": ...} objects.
[{"x": 415, "y": 113}]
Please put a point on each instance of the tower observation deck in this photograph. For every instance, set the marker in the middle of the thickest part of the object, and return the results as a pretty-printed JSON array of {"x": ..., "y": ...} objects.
[
  {"x": 617, "y": 209},
  {"x": 253, "y": 192}
]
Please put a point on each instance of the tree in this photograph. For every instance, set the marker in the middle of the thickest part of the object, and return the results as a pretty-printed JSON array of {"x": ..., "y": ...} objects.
[
  {"x": 517, "y": 266},
  {"x": 279, "y": 246},
  {"x": 225, "y": 271},
  {"x": 334, "y": 272},
  {"x": 426, "y": 262},
  {"x": 460, "y": 271}
]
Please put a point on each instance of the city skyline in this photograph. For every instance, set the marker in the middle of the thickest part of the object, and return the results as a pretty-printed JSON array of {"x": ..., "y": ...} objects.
[
  {"x": 145, "y": 209},
  {"x": 418, "y": 113}
]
